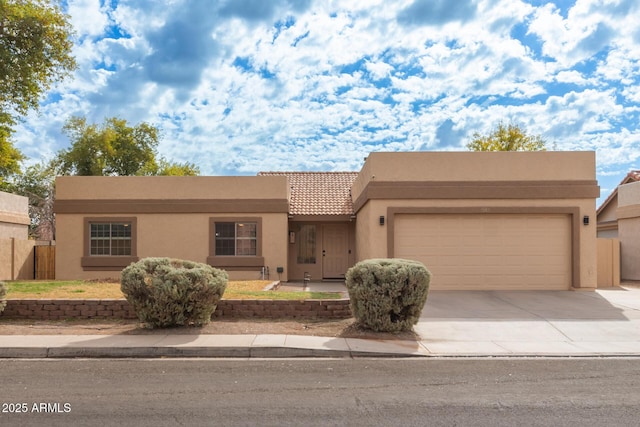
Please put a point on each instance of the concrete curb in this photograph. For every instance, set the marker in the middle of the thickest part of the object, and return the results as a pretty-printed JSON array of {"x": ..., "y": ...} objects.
[
  {"x": 203, "y": 346},
  {"x": 279, "y": 346}
]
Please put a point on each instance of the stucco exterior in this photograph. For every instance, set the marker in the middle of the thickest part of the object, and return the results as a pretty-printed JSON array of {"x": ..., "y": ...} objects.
[
  {"x": 16, "y": 251},
  {"x": 608, "y": 211},
  {"x": 172, "y": 217},
  {"x": 608, "y": 220},
  {"x": 628, "y": 214},
  {"x": 14, "y": 216},
  {"x": 478, "y": 183},
  {"x": 319, "y": 224}
]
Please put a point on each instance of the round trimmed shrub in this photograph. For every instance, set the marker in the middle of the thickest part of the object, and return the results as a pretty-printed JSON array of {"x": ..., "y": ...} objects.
[
  {"x": 3, "y": 294},
  {"x": 170, "y": 292},
  {"x": 387, "y": 295}
]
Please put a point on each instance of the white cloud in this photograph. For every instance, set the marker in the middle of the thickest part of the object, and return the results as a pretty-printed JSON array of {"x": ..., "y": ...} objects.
[
  {"x": 572, "y": 76},
  {"x": 317, "y": 85},
  {"x": 87, "y": 17}
]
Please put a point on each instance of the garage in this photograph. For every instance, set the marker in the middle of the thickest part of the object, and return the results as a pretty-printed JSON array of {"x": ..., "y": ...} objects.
[{"x": 488, "y": 251}]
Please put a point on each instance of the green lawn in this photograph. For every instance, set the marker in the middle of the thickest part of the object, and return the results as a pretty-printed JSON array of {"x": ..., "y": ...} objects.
[{"x": 78, "y": 289}]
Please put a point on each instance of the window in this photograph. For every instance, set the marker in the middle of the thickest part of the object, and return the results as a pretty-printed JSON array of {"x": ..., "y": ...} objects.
[
  {"x": 236, "y": 243},
  {"x": 110, "y": 243},
  {"x": 307, "y": 244},
  {"x": 110, "y": 239},
  {"x": 236, "y": 238}
]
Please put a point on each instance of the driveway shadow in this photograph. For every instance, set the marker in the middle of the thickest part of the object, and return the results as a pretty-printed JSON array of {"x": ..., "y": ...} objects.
[
  {"x": 531, "y": 305},
  {"x": 155, "y": 345}
]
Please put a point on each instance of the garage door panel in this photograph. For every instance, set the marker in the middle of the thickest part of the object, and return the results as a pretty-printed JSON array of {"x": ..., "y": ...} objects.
[{"x": 488, "y": 251}]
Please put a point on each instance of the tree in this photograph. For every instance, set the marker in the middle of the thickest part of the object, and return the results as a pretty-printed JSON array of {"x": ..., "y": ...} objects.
[
  {"x": 35, "y": 53},
  {"x": 166, "y": 168},
  {"x": 115, "y": 148},
  {"x": 37, "y": 183},
  {"x": 506, "y": 138},
  {"x": 10, "y": 158}
]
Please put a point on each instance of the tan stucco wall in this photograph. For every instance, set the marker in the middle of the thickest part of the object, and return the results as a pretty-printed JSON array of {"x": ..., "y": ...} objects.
[
  {"x": 371, "y": 239},
  {"x": 474, "y": 166},
  {"x": 629, "y": 230},
  {"x": 629, "y": 194},
  {"x": 183, "y": 236},
  {"x": 608, "y": 219},
  {"x": 608, "y": 213},
  {"x": 171, "y": 187},
  {"x": 173, "y": 231},
  {"x": 16, "y": 259},
  {"x": 14, "y": 216}
]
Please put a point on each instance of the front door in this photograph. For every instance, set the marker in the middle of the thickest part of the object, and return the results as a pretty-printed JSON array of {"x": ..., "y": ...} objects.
[{"x": 335, "y": 251}]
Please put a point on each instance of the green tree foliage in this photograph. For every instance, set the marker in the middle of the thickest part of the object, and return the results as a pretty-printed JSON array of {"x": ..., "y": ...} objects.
[
  {"x": 165, "y": 168},
  {"x": 35, "y": 53},
  {"x": 10, "y": 158},
  {"x": 115, "y": 148},
  {"x": 37, "y": 182},
  {"x": 506, "y": 138}
]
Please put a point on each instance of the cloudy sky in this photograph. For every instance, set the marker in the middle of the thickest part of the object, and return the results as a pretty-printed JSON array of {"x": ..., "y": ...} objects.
[{"x": 241, "y": 86}]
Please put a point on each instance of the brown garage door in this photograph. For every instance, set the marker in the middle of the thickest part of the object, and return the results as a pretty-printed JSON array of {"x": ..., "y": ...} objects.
[{"x": 488, "y": 251}]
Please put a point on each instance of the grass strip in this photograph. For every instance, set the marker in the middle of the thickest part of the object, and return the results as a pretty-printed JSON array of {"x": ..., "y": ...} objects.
[{"x": 78, "y": 289}]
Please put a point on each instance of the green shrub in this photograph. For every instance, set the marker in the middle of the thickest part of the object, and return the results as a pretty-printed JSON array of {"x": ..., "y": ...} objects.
[
  {"x": 387, "y": 295},
  {"x": 3, "y": 294},
  {"x": 169, "y": 292}
]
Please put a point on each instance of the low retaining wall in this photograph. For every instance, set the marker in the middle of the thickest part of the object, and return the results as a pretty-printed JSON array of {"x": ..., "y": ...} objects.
[{"x": 227, "y": 309}]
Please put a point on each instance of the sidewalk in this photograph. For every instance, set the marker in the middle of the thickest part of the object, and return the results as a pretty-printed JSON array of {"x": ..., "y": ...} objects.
[
  {"x": 221, "y": 346},
  {"x": 453, "y": 324}
]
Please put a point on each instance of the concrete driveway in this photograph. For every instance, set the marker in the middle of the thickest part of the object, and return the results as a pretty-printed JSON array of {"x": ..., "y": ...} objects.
[
  {"x": 527, "y": 323},
  {"x": 604, "y": 322}
]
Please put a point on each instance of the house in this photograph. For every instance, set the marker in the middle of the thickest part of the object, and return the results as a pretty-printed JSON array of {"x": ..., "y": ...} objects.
[
  {"x": 16, "y": 251},
  {"x": 607, "y": 212},
  {"x": 14, "y": 216},
  {"x": 619, "y": 217},
  {"x": 478, "y": 220}
]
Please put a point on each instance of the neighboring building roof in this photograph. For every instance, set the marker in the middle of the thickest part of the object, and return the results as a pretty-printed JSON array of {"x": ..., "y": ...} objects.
[
  {"x": 319, "y": 193},
  {"x": 632, "y": 176}
]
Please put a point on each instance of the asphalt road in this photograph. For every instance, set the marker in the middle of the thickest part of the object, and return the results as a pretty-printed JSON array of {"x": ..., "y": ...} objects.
[{"x": 445, "y": 392}]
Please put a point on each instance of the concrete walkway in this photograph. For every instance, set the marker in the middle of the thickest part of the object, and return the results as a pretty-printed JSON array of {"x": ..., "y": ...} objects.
[{"x": 453, "y": 324}]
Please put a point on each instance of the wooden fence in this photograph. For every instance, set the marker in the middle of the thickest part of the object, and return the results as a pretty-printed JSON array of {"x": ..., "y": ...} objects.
[
  {"x": 27, "y": 259},
  {"x": 45, "y": 262},
  {"x": 608, "y": 262}
]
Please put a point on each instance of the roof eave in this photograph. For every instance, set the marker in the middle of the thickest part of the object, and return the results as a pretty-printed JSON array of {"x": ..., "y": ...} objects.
[{"x": 321, "y": 218}]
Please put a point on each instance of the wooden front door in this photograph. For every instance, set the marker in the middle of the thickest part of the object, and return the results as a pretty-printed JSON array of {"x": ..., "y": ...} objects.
[{"x": 335, "y": 251}]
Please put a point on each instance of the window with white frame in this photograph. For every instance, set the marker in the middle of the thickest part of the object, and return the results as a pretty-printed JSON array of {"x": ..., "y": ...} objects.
[
  {"x": 110, "y": 239},
  {"x": 236, "y": 238}
]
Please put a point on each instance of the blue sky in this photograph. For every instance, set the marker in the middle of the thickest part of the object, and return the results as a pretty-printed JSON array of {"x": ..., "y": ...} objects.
[{"x": 242, "y": 86}]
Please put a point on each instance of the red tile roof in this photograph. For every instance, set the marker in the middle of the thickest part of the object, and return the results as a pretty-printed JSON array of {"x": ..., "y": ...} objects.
[
  {"x": 633, "y": 176},
  {"x": 319, "y": 193}
]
